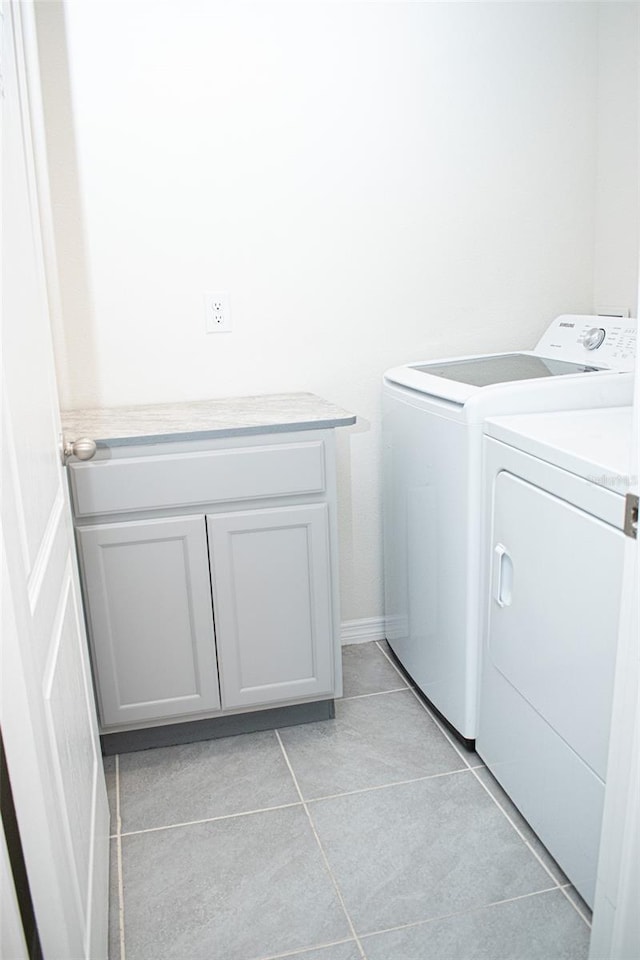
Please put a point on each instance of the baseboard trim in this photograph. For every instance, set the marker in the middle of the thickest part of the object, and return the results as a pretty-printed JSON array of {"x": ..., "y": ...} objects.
[{"x": 362, "y": 631}]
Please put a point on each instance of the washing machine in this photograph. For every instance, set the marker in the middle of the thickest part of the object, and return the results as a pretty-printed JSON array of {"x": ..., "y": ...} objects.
[
  {"x": 555, "y": 488},
  {"x": 433, "y": 416}
]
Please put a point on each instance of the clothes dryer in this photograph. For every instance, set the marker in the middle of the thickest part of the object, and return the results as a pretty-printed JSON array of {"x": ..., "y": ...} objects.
[
  {"x": 433, "y": 415},
  {"x": 555, "y": 489}
]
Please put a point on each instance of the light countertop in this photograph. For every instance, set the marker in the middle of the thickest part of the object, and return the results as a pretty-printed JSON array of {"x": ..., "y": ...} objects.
[{"x": 204, "y": 419}]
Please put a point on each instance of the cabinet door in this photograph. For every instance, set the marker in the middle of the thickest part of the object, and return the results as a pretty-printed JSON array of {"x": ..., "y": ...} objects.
[
  {"x": 150, "y": 618},
  {"x": 271, "y": 579}
]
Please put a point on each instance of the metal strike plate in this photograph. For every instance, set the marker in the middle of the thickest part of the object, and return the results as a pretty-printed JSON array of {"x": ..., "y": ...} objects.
[{"x": 631, "y": 515}]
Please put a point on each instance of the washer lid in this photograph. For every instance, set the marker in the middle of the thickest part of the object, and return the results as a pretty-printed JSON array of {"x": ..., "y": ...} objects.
[
  {"x": 501, "y": 368},
  {"x": 562, "y": 356}
]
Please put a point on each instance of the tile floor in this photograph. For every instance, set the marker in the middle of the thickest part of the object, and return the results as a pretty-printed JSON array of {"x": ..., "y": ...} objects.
[{"x": 369, "y": 836}]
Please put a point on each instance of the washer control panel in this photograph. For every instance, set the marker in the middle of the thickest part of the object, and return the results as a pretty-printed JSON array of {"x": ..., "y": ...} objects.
[{"x": 607, "y": 342}]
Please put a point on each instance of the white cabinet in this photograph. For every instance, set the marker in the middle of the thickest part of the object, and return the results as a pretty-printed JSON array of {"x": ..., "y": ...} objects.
[{"x": 210, "y": 576}]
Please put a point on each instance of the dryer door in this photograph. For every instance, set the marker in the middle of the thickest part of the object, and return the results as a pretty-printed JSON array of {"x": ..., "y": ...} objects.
[
  {"x": 547, "y": 675},
  {"x": 554, "y": 614}
]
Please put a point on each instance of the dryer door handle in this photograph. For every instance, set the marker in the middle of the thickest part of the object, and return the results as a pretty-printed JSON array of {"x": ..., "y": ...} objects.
[{"x": 502, "y": 576}]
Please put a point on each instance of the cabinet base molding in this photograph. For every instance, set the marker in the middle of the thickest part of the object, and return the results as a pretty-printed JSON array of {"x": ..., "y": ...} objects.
[{"x": 213, "y": 728}]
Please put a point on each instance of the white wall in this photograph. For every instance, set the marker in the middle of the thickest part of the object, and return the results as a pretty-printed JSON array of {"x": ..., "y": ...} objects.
[
  {"x": 617, "y": 211},
  {"x": 371, "y": 182}
]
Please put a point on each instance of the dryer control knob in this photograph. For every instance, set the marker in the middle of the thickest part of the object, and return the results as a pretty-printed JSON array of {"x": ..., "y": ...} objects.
[{"x": 594, "y": 337}]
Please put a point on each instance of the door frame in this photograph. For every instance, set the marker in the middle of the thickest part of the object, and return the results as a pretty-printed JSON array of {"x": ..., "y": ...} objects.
[{"x": 616, "y": 921}]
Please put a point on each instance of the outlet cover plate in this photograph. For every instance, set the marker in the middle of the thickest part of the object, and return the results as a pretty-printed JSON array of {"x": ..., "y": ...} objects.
[{"x": 217, "y": 312}]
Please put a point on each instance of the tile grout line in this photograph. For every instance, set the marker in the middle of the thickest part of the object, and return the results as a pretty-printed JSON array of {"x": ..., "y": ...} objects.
[
  {"x": 300, "y": 953},
  {"x": 565, "y": 888},
  {"x": 419, "y": 923},
  {"x": 119, "y": 859},
  {"x": 224, "y": 816},
  {"x": 297, "y": 803},
  {"x": 376, "y": 693},
  {"x": 504, "y": 813},
  {"x": 443, "y": 730},
  {"x": 385, "y": 786},
  {"x": 460, "y": 913},
  {"x": 439, "y": 725},
  {"x": 473, "y": 770},
  {"x": 321, "y": 848}
]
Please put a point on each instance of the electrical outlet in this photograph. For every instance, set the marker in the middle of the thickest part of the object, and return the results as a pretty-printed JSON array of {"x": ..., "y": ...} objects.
[{"x": 217, "y": 313}]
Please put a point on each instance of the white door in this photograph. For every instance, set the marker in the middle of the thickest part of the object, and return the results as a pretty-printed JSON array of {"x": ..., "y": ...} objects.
[
  {"x": 616, "y": 919},
  {"x": 47, "y": 709}
]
